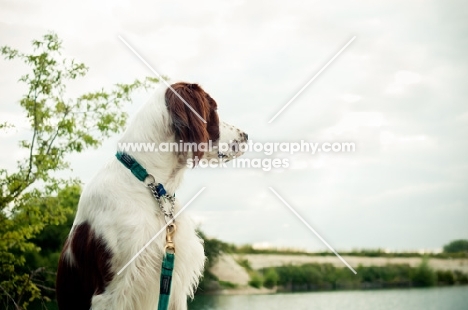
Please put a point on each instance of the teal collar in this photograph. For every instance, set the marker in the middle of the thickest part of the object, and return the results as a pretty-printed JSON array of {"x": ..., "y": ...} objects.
[
  {"x": 130, "y": 162},
  {"x": 157, "y": 189}
]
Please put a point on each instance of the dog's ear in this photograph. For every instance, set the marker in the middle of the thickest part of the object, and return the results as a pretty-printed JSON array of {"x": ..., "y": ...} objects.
[{"x": 187, "y": 126}]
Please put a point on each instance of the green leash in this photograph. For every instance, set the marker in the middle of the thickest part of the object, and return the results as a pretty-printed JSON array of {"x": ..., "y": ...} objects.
[
  {"x": 165, "y": 282},
  {"x": 158, "y": 192}
]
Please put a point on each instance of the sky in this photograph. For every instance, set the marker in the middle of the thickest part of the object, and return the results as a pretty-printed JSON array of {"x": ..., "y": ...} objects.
[{"x": 398, "y": 91}]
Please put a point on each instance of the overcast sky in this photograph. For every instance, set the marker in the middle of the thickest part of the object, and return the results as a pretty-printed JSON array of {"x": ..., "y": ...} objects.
[{"x": 399, "y": 92}]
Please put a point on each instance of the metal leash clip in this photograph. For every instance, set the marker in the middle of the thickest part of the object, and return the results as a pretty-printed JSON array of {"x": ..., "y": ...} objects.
[{"x": 170, "y": 230}]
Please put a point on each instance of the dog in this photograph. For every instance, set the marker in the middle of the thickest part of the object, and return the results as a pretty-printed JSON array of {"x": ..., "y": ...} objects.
[{"x": 117, "y": 214}]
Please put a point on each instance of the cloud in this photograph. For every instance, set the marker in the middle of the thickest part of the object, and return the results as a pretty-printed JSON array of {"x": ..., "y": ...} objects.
[
  {"x": 351, "y": 98},
  {"x": 402, "y": 80},
  {"x": 353, "y": 121},
  {"x": 398, "y": 92},
  {"x": 391, "y": 141}
]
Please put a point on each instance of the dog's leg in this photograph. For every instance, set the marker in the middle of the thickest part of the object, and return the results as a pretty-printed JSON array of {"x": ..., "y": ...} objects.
[
  {"x": 136, "y": 288},
  {"x": 83, "y": 268},
  {"x": 71, "y": 294}
]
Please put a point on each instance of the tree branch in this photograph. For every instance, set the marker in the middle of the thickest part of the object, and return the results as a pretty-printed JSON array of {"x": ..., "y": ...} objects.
[
  {"x": 12, "y": 299},
  {"x": 50, "y": 289},
  {"x": 35, "y": 131},
  {"x": 56, "y": 133}
]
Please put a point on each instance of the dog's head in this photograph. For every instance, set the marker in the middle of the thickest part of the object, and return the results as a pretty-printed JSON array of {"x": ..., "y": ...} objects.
[{"x": 195, "y": 120}]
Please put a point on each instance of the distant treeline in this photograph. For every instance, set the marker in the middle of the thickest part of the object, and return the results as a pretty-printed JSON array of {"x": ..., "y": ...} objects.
[
  {"x": 327, "y": 277},
  {"x": 455, "y": 249}
]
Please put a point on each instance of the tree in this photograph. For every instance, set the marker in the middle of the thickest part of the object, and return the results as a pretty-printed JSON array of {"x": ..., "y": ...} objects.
[
  {"x": 456, "y": 246},
  {"x": 60, "y": 126}
]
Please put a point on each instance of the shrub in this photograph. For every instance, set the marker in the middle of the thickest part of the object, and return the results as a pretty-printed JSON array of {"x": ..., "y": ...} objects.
[
  {"x": 245, "y": 263},
  {"x": 271, "y": 278},
  {"x": 256, "y": 280},
  {"x": 445, "y": 277},
  {"x": 424, "y": 275}
]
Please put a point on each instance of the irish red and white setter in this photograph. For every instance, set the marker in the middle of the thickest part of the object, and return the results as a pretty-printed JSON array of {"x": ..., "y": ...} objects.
[{"x": 117, "y": 215}]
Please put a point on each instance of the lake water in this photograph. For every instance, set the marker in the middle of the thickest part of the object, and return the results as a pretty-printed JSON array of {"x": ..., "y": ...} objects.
[{"x": 447, "y": 298}]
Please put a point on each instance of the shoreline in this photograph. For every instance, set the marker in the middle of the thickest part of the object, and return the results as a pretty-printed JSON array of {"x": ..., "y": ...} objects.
[{"x": 265, "y": 291}]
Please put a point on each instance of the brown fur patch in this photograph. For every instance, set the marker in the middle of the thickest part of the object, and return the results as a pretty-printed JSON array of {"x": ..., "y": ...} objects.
[
  {"x": 187, "y": 125},
  {"x": 84, "y": 274}
]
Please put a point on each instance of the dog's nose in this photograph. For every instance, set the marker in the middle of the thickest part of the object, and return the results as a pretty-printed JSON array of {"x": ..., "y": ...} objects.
[{"x": 245, "y": 136}]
